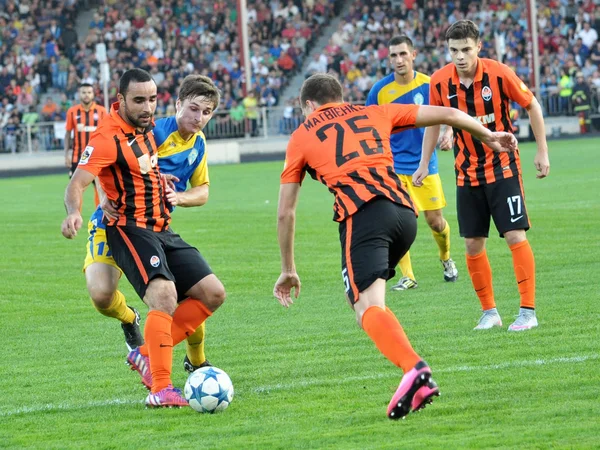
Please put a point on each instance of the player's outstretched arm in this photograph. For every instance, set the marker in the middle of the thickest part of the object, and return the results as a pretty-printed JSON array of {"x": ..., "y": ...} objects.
[
  {"x": 439, "y": 115},
  {"x": 286, "y": 223},
  {"x": 536, "y": 119},
  {"x": 73, "y": 199}
]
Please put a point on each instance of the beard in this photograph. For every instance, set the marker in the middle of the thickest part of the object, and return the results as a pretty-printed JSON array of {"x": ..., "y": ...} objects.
[{"x": 137, "y": 121}]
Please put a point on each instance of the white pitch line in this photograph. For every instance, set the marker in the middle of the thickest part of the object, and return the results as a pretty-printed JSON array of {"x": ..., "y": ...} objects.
[
  {"x": 66, "y": 406},
  {"x": 312, "y": 382},
  {"x": 526, "y": 363}
]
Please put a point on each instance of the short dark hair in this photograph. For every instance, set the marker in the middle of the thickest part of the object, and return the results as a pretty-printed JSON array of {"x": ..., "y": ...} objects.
[
  {"x": 135, "y": 76},
  {"x": 82, "y": 85},
  {"x": 321, "y": 88},
  {"x": 403, "y": 39},
  {"x": 199, "y": 86},
  {"x": 463, "y": 29}
]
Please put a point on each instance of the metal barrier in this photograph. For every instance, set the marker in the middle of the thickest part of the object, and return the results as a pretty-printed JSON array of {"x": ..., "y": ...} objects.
[
  {"x": 49, "y": 136},
  {"x": 269, "y": 122},
  {"x": 555, "y": 105}
]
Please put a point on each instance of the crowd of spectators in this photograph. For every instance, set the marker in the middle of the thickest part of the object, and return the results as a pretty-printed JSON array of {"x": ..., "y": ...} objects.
[
  {"x": 568, "y": 43},
  {"x": 40, "y": 52}
]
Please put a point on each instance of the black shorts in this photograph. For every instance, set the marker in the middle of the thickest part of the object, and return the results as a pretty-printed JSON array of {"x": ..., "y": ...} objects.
[
  {"x": 144, "y": 255},
  {"x": 373, "y": 241},
  {"x": 503, "y": 201}
]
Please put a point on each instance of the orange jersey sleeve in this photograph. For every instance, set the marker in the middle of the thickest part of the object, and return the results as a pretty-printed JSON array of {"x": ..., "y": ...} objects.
[
  {"x": 70, "y": 118},
  {"x": 516, "y": 89},
  {"x": 434, "y": 96},
  {"x": 294, "y": 168},
  {"x": 100, "y": 152}
]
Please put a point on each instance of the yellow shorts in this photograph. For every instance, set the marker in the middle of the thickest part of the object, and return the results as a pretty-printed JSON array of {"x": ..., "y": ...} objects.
[
  {"x": 97, "y": 248},
  {"x": 428, "y": 197}
]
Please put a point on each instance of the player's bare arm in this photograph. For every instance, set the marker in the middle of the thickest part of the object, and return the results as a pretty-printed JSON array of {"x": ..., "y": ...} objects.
[
  {"x": 194, "y": 196},
  {"x": 433, "y": 116},
  {"x": 536, "y": 118},
  {"x": 68, "y": 150},
  {"x": 73, "y": 199},
  {"x": 286, "y": 222}
]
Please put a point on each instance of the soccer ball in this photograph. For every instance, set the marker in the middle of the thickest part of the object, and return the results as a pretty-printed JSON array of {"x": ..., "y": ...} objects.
[{"x": 208, "y": 390}]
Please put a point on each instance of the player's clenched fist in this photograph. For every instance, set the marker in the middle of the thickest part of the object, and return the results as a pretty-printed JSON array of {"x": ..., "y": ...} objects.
[{"x": 71, "y": 225}]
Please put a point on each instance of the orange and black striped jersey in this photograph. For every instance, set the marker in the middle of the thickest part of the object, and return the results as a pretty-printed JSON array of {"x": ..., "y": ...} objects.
[
  {"x": 347, "y": 148},
  {"x": 82, "y": 124},
  {"x": 126, "y": 162},
  {"x": 488, "y": 99}
]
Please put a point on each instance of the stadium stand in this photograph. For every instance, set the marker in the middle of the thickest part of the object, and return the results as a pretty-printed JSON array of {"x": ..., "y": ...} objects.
[
  {"x": 568, "y": 39},
  {"x": 41, "y": 54}
]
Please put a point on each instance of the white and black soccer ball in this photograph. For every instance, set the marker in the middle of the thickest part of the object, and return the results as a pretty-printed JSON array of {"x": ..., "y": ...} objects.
[{"x": 208, "y": 390}]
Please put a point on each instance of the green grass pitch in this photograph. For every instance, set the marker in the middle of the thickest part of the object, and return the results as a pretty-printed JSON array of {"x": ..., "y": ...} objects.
[{"x": 308, "y": 377}]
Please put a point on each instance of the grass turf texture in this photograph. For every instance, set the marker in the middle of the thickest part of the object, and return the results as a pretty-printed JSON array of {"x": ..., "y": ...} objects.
[{"x": 308, "y": 377}]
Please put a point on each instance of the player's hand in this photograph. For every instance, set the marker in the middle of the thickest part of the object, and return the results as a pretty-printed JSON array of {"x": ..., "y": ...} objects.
[
  {"x": 420, "y": 174},
  {"x": 168, "y": 182},
  {"x": 445, "y": 142},
  {"x": 283, "y": 288},
  {"x": 171, "y": 196},
  {"x": 67, "y": 162},
  {"x": 71, "y": 225},
  {"x": 109, "y": 208},
  {"x": 542, "y": 164},
  {"x": 501, "y": 142}
]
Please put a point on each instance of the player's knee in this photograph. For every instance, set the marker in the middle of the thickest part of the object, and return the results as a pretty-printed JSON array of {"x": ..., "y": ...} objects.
[
  {"x": 161, "y": 295},
  {"x": 436, "y": 222},
  {"x": 101, "y": 294},
  {"x": 474, "y": 246},
  {"x": 514, "y": 237},
  {"x": 216, "y": 297}
]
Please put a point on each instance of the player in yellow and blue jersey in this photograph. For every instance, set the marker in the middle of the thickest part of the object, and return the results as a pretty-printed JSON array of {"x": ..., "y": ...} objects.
[
  {"x": 182, "y": 159},
  {"x": 407, "y": 86}
]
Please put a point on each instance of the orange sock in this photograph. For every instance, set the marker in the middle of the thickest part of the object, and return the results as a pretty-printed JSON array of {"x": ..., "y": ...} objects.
[
  {"x": 159, "y": 345},
  {"x": 385, "y": 331},
  {"x": 524, "y": 264},
  {"x": 96, "y": 197},
  {"x": 188, "y": 316},
  {"x": 481, "y": 277}
]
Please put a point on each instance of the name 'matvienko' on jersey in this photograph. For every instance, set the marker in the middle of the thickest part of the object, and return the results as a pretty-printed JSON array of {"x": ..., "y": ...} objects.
[
  {"x": 126, "y": 162},
  {"x": 488, "y": 99},
  {"x": 407, "y": 145},
  {"x": 346, "y": 147},
  {"x": 184, "y": 159},
  {"x": 82, "y": 124}
]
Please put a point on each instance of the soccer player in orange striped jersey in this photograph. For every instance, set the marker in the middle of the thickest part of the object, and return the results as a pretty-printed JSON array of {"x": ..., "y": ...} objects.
[
  {"x": 82, "y": 121},
  {"x": 347, "y": 148},
  {"x": 489, "y": 185},
  {"x": 171, "y": 277}
]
